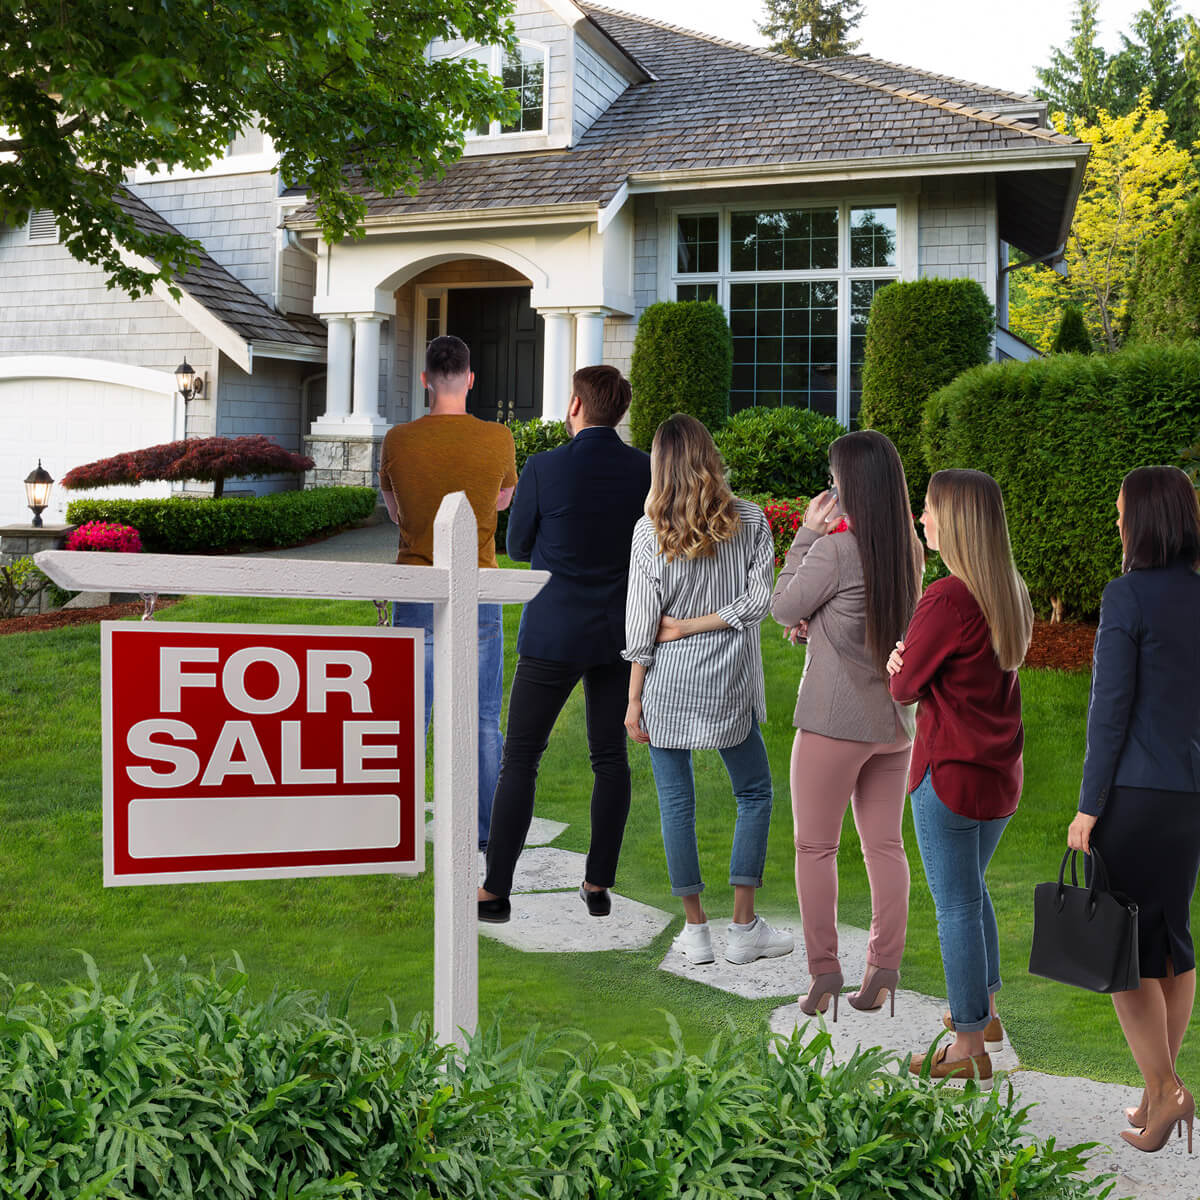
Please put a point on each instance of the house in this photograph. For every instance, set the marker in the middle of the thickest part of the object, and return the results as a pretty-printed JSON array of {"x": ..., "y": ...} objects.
[{"x": 648, "y": 162}]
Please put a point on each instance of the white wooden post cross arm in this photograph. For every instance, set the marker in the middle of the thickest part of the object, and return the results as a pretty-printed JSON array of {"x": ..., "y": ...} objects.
[{"x": 455, "y": 586}]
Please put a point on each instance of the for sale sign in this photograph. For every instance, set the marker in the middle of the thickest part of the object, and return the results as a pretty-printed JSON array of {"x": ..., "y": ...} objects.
[{"x": 261, "y": 751}]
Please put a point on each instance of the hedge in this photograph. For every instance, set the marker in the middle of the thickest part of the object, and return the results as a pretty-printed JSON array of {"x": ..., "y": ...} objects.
[
  {"x": 184, "y": 526},
  {"x": 1164, "y": 290},
  {"x": 920, "y": 335},
  {"x": 188, "y": 1087},
  {"x": 778, "y": 451},
  {"x": 1059, "y": 434},
  {"x": 529, "y": 437},
  {"x": 682, "y": 362}
]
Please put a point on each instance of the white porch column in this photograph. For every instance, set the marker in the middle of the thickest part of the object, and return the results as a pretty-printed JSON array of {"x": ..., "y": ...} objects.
[
  {"x": 589, "y": 339},
  {"x": 366, "y": 372},
  {"x": 556, "y": 366},
  {"x": 337, "y": 378}
]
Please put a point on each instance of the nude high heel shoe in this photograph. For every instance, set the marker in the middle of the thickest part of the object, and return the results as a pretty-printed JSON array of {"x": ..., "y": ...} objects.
[
  {"x": 823, "y": 986},
  {"x": 877, "y": 983},
  {"x": 1164, "y": 1119},
  {"x": 1137, "y": 1116}
]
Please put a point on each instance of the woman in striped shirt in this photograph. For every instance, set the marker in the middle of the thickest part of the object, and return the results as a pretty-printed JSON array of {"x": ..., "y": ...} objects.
[{"x": 700, "y": 575}]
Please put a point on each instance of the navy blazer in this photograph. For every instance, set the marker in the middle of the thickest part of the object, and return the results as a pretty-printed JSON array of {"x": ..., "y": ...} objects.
[
  {"x": 1144, "y": 714},
  {"x": 573, "y": 515}
]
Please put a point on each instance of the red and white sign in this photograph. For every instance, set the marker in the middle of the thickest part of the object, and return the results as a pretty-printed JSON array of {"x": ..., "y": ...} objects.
[{"x": 261, "y": 751}]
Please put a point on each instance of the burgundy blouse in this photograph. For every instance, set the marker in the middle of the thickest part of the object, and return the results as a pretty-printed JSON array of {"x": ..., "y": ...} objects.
[{"x": 969, "y": 730}]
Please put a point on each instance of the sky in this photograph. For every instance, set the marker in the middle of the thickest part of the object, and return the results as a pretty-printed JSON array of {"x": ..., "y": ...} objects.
[{"x": 995, "y": 44}]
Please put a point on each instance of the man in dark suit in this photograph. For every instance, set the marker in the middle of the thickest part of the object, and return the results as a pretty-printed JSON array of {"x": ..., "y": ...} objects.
[{"x": 573, "y": 515}]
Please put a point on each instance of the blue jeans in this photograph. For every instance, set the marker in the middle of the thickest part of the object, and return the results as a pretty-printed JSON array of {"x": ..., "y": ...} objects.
[
  {"x": 956, "y": 852},
  {"x": 750, "y": 775},
  {"x": 491, "y": 688}
]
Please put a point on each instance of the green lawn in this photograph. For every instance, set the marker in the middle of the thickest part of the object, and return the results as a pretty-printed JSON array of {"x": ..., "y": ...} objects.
[{"x": 377, "y": 931}]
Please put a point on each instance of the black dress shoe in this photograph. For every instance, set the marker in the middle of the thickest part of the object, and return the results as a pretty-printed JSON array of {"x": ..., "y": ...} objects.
[
  {"x": 599, "y": 904},
  {"x": 495, "y": 912}
]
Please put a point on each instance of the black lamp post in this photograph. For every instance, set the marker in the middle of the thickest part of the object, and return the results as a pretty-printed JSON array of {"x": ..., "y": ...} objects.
[
  {"x": 37, "y": 491},
  {"x": 186, "y": 380}
]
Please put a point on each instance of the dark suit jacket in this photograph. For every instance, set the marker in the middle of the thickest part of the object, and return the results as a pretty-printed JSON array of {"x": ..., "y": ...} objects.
[
  {"x": 573, "y": 515},
  {"x": 1144, "y": 714}
]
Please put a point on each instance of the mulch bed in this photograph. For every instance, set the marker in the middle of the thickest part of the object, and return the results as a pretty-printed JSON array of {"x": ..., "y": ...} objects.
[
  {"x": 1066, "y": 646},
  {"x": 60, "y": 617}
]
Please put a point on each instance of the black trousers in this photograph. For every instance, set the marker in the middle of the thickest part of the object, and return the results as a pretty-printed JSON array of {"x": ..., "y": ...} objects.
[{"x": 540, "y": 688}]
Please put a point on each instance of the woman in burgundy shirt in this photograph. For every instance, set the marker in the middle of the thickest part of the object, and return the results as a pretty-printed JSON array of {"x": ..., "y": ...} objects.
[{"x": 958, "y": 660}]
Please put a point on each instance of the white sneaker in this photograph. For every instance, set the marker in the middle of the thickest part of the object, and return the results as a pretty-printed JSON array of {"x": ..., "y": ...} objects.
[
  {"x": 696, "y": 943},
  {"x": 759, "y": 941}
]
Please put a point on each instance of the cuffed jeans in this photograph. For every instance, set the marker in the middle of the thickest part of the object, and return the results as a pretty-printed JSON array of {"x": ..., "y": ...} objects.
[
  {"x": 540, "y": 688},
  {"x": 750, "y": 775},
  {"x": 956, "y": 851},
  {"x": 491, "y": 689}
]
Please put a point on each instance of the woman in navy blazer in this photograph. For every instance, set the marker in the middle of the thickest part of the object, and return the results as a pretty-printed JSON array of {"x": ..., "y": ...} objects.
[{"x": 1140, "y": 800}]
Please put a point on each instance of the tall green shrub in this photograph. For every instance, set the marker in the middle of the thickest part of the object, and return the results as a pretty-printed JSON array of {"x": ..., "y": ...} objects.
[
  {"x": 682, "y": 362},
  {"x": 1164, "y": 303},
  {"x": 1059, "y": 434},
  {"x": 1072, "y": 335},
  {"x": 920, "y": 335},
  {"x": 777, "y": 451}
]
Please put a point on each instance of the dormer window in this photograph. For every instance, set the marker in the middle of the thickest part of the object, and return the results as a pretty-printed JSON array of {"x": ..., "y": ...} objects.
[{"x": 523, "y": 74}]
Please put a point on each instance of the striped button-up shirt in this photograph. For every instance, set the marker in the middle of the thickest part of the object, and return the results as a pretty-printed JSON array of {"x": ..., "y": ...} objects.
[{"x": 705, "y": 690}]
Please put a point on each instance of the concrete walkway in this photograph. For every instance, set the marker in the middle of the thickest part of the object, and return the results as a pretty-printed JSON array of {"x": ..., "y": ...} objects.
[{"x": 548, "y": 917}]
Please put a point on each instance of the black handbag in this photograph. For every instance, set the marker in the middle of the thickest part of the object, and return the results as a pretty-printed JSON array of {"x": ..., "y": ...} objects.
[{"x": 1085, "y": 936}]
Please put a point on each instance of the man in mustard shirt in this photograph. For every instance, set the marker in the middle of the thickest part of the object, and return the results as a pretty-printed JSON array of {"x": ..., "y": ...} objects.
[{"x": 422, "y": 462}]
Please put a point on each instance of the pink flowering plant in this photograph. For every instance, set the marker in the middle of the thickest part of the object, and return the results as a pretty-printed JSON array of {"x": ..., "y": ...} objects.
[
  {"x": 104, "y": 535},
  {"x": 784, "y": 517}
]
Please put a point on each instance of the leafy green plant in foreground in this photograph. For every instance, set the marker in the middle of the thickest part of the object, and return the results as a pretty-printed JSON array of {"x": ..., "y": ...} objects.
[{"x": 185, "y": 1086}]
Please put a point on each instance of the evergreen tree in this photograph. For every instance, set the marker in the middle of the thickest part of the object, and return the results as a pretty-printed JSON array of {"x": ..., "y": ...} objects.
[
  {"x": 1077, "y": 80},
  {"x": 1072, "y": 336},
  {"x": 811, "y": 29},
  {"x": 1155, "y": 59}
]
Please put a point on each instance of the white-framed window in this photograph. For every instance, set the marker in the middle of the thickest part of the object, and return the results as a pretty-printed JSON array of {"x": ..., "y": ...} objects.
[
  {"x": 796, "y": 282},
  {"x": 429, "y": 322},
  {"x": 523, "y": 72},
  {"x": 43, "y": 227}
]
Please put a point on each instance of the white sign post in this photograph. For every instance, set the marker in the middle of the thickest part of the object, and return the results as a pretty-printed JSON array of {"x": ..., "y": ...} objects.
[{"x": 456, "y": 587}]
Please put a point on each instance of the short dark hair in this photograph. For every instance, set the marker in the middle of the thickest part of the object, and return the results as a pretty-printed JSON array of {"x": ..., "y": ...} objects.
[
  {"x": 446, "y": 358},
  {"x": 605, "y": 393},
  {"x": 1161, "y": 521}
]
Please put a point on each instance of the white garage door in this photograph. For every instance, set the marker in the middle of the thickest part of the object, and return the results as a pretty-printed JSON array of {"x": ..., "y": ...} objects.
[{"x": 70, "y": 421}]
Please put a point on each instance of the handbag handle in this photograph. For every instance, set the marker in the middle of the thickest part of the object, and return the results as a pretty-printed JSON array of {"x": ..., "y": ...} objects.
[{"x": 1098, "y": 872}]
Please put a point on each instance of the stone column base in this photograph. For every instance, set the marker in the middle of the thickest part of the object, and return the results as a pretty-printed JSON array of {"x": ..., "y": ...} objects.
[
  {"x": 342, "y": 460},
  {"x": 20, "y": 541}
]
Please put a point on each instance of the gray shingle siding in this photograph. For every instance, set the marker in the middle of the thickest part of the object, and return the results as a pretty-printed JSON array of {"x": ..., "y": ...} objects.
[
  {"x": 645, "y": 252},
  {"x": 267, "y": 402},
  {"x": 955, "y": 230},
  {"x": 233, "y": 215},
  {"x": 597, "y": 85}
]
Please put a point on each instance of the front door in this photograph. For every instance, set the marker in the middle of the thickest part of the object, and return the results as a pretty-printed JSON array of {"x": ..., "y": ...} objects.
[{"x": 506, "y": 337}]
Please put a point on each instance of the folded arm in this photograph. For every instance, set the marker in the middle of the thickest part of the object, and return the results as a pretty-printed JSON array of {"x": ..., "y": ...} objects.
[{"x": 933, "y": 633}]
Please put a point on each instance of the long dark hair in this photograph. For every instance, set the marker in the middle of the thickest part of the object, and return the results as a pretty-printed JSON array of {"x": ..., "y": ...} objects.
[
  {"x": 874, "y": 495},
  {"x": 1161, "y": 521}
]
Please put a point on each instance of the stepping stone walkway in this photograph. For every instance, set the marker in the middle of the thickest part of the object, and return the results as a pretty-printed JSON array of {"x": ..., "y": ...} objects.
[{"x": 550, "y": 918}]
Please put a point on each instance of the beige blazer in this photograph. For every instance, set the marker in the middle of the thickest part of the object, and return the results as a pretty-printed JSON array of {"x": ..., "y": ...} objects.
[{"x": 842, "y": 693}]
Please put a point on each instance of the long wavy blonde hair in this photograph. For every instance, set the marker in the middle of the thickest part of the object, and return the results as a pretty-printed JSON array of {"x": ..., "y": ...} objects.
[
  {"x": 972, "y": 536},
  {"x": 689, "y": 503}
]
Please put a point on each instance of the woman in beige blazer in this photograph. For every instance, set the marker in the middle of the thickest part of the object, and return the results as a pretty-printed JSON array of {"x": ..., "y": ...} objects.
[{"x": 851, "y": 593}]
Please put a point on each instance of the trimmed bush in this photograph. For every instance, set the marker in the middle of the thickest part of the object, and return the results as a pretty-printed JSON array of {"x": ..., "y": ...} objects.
[
  {"x": 210, "y": 459},
  {"x": 682, "y": 362},
  {"x": 1072, "y": 336},
  {"x": 182, "y": 526},
  {"x": 1059, "y": 434},
  {"x": 778, "y": 451},
  {"x": 920, "y": 336},
  {"x": 529, "y": 437},
  {"x": 1164, "y": 291},
  {"x": 187, "y": 1087}
]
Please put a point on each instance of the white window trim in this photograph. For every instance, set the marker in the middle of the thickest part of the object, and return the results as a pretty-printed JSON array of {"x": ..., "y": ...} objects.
[
  {"x": 670, "y": 277},
  {"x": 264, "y": 161},
  {"x": 495, "y": 67}
]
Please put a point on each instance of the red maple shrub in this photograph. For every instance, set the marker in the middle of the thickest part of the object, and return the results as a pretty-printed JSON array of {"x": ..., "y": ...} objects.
[{"x": 211, "y": 459}]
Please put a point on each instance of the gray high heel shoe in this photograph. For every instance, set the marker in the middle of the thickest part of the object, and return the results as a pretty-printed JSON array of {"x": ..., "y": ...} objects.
[
  {"x": 877, "y": 982},
  {"x": 823, "y": 986}
]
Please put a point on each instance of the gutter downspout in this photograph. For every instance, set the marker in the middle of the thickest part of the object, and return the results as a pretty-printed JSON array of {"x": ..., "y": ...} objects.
[{"x": 293, "y": 240}]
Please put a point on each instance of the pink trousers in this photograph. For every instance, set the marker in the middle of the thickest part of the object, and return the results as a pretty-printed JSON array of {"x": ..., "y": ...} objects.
[{"x": 827, "y": 774}]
